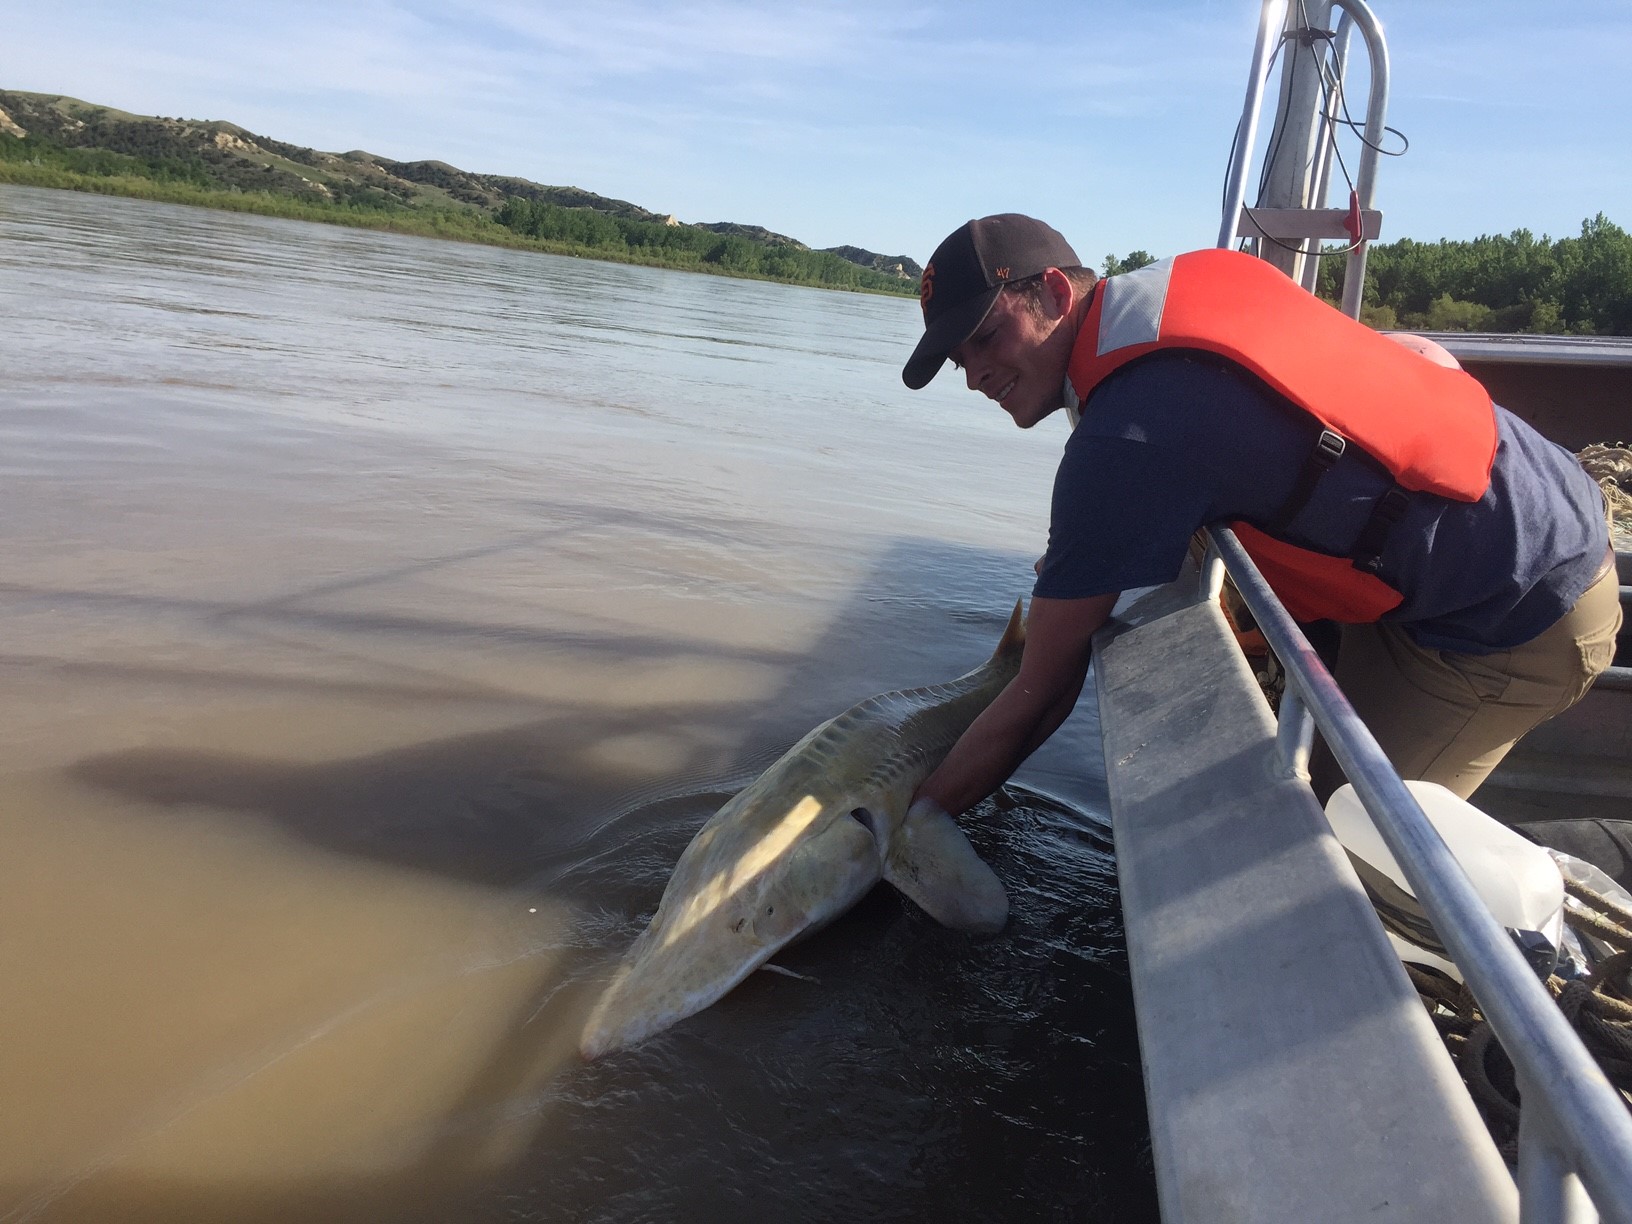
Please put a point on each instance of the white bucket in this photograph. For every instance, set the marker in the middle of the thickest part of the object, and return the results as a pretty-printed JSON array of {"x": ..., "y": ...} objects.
[{"x": 1518, "y": 880}]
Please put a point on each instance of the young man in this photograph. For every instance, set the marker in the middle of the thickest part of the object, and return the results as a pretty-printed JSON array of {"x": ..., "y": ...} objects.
[{"x": 1466, "y": 556}]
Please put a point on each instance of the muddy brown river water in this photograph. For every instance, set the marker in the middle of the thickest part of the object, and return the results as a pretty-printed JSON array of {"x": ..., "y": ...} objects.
[{"x": 379, "y": 617}]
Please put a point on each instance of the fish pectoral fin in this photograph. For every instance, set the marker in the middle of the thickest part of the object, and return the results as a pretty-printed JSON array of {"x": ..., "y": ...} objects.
[{"x": 932, "y": 862}]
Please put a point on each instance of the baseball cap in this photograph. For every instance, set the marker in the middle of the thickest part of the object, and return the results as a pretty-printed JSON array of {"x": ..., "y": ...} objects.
[{"x": 965, "y": 275}]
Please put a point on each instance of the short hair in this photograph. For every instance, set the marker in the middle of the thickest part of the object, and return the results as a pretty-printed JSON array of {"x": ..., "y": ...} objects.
[{"x": 1030, "y": 290}]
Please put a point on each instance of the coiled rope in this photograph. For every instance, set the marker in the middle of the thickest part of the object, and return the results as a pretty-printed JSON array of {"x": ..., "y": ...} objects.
[
  {"x": 1611, "y": 467},
  {"x": 1598, "y": 1007}
]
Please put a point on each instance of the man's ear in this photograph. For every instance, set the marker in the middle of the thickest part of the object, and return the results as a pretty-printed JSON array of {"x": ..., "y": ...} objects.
[{"x": 1060, "y": 293}]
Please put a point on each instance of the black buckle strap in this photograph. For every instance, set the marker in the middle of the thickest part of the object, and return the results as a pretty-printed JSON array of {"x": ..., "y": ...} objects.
[
  {"x": 1329, "y": 448},
  {"x": 1368, "y": 546}
]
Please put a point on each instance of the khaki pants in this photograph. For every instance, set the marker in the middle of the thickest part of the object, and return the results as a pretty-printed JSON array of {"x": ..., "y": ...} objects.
[{"x": 1450, "y": 718}]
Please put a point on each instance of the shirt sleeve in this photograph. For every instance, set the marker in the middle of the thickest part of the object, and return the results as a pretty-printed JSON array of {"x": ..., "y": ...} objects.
[{"x": 1124, "y": 510}]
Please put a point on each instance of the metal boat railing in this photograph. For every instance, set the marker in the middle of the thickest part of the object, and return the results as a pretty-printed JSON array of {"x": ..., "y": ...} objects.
[
  {"x": 1575, "y": 1134},
  {"x": 1575, "y": 1129},
  {"x": 1294, "y": 227}
]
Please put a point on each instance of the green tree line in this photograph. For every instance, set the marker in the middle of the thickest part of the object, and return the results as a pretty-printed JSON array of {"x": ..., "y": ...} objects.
[
  {"x": 690, "y": 246},
  {"x": 1493, "y": 283},
  {"x": 103, "y": 163},
  {"x": 1496, "y": 283}
]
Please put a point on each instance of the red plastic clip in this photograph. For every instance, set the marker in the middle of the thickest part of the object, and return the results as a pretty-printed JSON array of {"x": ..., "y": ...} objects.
[{"x": 1351, "y": 223}]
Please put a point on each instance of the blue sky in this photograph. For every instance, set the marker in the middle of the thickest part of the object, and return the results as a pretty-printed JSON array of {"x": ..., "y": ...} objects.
[{"x": 874, "y": 122}]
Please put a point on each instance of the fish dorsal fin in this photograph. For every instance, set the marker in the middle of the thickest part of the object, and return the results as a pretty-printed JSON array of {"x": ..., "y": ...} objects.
[
  {"x": 932, "y": 862},
  {"x": 1013, "y": 641}
]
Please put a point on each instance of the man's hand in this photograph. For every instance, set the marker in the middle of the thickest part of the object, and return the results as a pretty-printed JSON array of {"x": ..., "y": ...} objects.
[{"x": 1059, "y": 637}]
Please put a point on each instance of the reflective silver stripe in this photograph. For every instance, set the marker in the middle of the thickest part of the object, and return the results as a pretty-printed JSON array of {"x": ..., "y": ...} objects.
[{"x": 1132, "y": 313}]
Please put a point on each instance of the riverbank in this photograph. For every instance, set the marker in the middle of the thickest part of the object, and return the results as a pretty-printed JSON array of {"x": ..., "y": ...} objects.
[{"x": 454, "y": 223}]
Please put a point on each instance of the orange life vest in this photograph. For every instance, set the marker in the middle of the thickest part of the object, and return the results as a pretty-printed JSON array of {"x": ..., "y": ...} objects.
[{"x": 1432, "y": 428}]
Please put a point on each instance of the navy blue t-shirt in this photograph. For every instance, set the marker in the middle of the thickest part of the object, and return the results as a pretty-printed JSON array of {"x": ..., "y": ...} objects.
[{"x": 1180, "y": 439}]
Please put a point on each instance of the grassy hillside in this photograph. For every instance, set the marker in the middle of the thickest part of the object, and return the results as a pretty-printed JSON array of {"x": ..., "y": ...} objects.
[{"x": 48, "y": 140}]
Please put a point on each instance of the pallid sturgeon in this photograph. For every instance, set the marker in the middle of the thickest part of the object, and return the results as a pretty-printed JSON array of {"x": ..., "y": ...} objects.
[{"x": 804, "y": 843}]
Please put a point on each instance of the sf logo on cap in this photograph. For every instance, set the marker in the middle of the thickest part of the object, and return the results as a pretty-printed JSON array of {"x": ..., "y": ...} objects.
[{"x": 926, "y": 286}]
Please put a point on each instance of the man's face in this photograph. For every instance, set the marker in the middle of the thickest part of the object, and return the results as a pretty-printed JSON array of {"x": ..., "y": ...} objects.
[{"x": 1018, "y": 358}]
